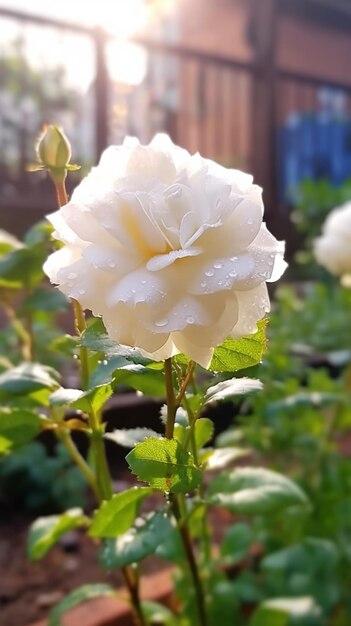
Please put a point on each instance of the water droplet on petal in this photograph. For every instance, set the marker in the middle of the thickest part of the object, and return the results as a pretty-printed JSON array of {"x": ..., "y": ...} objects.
[
  {"x": 112, "y": 263},
  {"x": 143, "y": 282},
  {"x": 190, "y": 319},
  {"x": 162, "y": 322},
  {"x": 81, "y": 292},
  {"x": 250, "y": 222},
  {"x": 104, "y": 362},
  {"x": 72, "y": 276},
  {"x": 233, "y": 273},
  {"x": 209, "y": 273},
  {"x": 203, "y": 284},
  {"x": 218, "y": 266},
  {"x": 233, "y": 258}
]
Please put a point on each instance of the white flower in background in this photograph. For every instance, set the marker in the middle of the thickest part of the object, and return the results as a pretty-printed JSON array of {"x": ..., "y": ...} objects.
[
  {"x": 168, "y": 248},
  {"x": 333, "y": 248}
]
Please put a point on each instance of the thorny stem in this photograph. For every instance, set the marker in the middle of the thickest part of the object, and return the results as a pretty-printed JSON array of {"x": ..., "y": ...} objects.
[
  {"x": 102, "y": 477},
  {"x": 83, "y": 352},
  {"x": 193, "y": 567},
  {"x": 172, "y": 405},
  {"x": 171, "y": 400}
]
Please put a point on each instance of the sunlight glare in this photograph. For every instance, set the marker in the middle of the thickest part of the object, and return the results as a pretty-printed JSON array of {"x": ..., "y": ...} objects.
[{"x": 126, "y": 62}]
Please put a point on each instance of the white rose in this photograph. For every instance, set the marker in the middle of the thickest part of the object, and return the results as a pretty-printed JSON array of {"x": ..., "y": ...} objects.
[
  {"x": 169, "y": 248},
  {"x": 333, "y": 248}
]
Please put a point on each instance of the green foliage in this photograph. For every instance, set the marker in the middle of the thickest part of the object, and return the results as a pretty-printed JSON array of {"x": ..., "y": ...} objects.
[
  {"x": 312, "y": 203},
  {"x": 255, "y": 490},
  {"x": 116, "y": 515},
  {"x": 18, "y": 426},
  {"x": 76, "y": 597},
  {"x": 301, "y": 569},
  {"x": 137, "y": 543},
  {"x": 233, "y": 355},
  {"x": 165, "y": 465},
  {"x": 315, "y": 199},
  {"x": 156, "y": 613},
  {"x": 32, "y": 480},
  {"x": 26, "y": 379},
  {"x": 236, "y": 543},
  {"x": 46, "y": 531},
  {"x": 301, "y": 611}
]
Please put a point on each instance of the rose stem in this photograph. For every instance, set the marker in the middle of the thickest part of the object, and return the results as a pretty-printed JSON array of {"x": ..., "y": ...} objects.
[
  {"x": 172, "y": 405},
  {"x": 103, "y": 482}
]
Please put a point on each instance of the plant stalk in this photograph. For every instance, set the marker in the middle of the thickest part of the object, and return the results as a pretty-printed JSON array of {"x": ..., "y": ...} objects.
[
  {"x": 66, "y": 439},
  {"x": 172, "y": 405}
]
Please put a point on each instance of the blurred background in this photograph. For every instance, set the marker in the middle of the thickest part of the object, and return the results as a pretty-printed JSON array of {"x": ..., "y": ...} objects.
[{"x": 262, "y": 85}]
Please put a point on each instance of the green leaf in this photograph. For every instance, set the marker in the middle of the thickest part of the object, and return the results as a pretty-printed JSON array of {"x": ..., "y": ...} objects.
[
  {"x": 22, "y": 267},
  {"x": 269, "y": 616},
  {"x": 19, "y": 426},
  {"x": 156, "y": 613},
  {"x": 46, "y": 531},
  {"x": 129, "y": 437},
  {"x": 221, "y": 457},
  {"x": 82, "y": 594},
  {"x": 103, "y": 372},
  {"x": 144, "y": 379},
  {"x": 137, "y": 543},
  {"x": 236, "y": 543},
  {"x": 227, "y": 389},
  {"x": 8, "y": 242},
  {"x": 64, "y": 397},
  {"x": 48, "y": 300},
  {"x": 95, "y": 338},
  {"x": 204, "y": 430},
  {"x": 40, "y": 233},
  {"x": 116, "y": 515},
  {"x": 234, "y": 355},
  {"x": 165, "y": 465},
  {"x": 301, "y": 611},
  {"x": 25, "y": 379},
  {"x": 5, "y": 445},
  {"x": 255, "y": 490},
  {"x": 93, "y": 400}
]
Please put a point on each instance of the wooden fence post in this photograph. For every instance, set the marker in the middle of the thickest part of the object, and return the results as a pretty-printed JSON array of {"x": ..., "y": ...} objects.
[{"x": 263, "y": 113}]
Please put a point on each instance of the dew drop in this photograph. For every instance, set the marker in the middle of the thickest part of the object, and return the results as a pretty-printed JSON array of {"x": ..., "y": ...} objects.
[
  {"x": 104, "y": 362},
  {"x": 233, "y": 273},
  {"x": 112, "y": 263},
  {"x": 190, "y": 319},
  {"x": 220, "y": 282},
  {"x": 233, "y": 258},
  {"x": 218, "y": 266},
  {"x": 162, "y": 322},
  {"x": 75, "y": 356},
  {"x": 250, "y": 222},
  {"x": 72, "y": 276},
  {"x": 143, "y": 282},
  {"x": 133, "y": 290},
  {"x": 203, "y": 284},
  {"x": 209, "y": 273},
  {"x": 81, "y": 292}
]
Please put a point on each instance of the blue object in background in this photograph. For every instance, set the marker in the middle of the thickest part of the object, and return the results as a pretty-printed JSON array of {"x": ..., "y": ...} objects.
[{"x": 315, "y": 145}]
